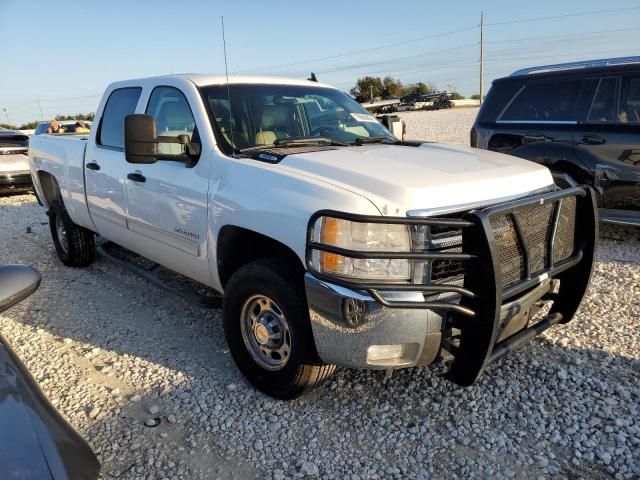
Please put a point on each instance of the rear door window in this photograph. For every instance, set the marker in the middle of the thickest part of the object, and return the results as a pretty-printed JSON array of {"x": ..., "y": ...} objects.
[
  {"x": 121, "y": 102},
  {"x": 603, "y": 107},
  {"x": 544, "y": 102},
  {"x": 629, "y": 111}
]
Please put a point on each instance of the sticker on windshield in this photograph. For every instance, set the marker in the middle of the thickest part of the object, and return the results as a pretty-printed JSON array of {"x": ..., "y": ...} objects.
[{"x": 364, "y": 117}]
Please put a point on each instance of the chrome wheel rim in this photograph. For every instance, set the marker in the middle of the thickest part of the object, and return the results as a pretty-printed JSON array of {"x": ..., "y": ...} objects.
[
  {"x": 265, "y": 332},
  {"x": 62, "y": 234}
]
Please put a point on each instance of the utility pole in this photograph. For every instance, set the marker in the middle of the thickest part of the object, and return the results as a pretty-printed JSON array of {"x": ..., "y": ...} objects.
[
  {"x": 481, "y": 56},
  {"x": 40, "y": 107},
  {"x": 7, "y": 115},
  {"x": 371, "y": 91}
]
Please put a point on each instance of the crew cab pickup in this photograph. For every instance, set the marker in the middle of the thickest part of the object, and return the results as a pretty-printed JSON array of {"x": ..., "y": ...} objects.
[{"x": 333, "y": 242}]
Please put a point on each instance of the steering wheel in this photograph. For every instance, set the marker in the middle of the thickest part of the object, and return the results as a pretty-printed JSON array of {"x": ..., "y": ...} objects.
[{"x": 321, "y": 131}]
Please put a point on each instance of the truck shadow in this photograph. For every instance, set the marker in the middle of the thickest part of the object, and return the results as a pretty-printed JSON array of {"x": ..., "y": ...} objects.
[{"x": 128, "y": 346}]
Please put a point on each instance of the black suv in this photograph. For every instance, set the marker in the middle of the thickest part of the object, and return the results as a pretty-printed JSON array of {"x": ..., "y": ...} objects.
[{"x": 580, "y": 119}]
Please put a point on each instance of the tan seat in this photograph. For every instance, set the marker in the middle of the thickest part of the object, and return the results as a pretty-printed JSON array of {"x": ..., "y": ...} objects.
[
  {"x": 273, "y": 124},
  {"x": 266, "y": 138}
]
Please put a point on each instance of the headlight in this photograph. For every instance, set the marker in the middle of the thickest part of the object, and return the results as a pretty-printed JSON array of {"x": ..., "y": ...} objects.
[{"x": 361, "y": 237}]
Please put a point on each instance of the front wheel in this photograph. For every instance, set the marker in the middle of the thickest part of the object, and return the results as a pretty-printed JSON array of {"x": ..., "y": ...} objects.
[
  {"x": 266, "y": 324},
  {"x": 75, "y": 245}
]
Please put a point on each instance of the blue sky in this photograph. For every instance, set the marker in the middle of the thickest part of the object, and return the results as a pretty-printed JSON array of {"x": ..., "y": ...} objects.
[{"x": 66, "y": 52}]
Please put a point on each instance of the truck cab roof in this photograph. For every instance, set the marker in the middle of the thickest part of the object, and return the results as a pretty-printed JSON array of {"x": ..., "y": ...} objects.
[{"x": 203, "y": 80}]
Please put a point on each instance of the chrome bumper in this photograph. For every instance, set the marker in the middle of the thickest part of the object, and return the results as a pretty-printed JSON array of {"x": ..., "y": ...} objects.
[{"x": 381, "y": 337}]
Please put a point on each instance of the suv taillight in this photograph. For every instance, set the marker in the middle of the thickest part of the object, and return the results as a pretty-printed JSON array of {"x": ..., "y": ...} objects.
[{"x": 474, "y": 138}]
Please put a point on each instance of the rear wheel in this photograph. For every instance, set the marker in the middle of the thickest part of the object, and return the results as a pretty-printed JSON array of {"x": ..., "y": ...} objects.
[
  {"x": 266, "y": 324},
  {"x": 75, "y": 245}
]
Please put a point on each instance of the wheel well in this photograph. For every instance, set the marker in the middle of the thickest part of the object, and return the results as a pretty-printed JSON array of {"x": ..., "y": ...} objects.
[
  {"x": 238, "y": 246},
  {"x": 49, "y": 186},
  {"x": 574, "y": 171}
]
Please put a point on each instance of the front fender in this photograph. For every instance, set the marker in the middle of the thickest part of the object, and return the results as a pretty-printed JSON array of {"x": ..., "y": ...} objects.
[{"x": 264, "y": 199}]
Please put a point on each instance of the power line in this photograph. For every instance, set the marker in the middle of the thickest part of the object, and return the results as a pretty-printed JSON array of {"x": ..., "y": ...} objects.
[
  {"x": 618, "y": 51},
  {"x": 431, "y": 68},
  {"x": 45, "y": 100},
  {"x": 399, "y": 59},
  {"x": 355, "y": 52},
  {"x": 56, "y": 105},
  {"x": 553, "y": 17},
  {"x": 511, "y": 40},
  {"x": 71, "y": 98},
  {"x": 451, "y": 32}
]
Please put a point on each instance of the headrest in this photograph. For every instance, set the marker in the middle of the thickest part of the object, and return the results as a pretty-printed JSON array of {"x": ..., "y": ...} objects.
[
  {"x": 273, "y": 116},
  {"x": 174, "y": 114}
]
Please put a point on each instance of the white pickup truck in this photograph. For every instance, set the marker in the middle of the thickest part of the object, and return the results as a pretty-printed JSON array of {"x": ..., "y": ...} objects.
[{"x": 333, "y": 242}]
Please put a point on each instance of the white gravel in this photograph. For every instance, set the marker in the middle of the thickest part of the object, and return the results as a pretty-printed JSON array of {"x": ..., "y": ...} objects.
[
  {"x": 116, "y": 355},
  {"x": 446, "y": 126}
]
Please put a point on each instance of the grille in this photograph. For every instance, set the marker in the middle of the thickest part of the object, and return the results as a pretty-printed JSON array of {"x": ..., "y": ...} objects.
[
  {"x": 536, "y": 225},
  {"x": 565, "y": 237},
  {"x": 445, "y": 269}
]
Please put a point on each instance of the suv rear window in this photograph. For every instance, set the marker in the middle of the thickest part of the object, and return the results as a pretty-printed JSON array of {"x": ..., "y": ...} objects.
[
  {"x": 544, "y": 102},
  {"x": 121, "y": 102},
  {"x": 630, "y": 100}
]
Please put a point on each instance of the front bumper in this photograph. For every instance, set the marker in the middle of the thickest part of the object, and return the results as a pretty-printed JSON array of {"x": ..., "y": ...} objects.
[
  {"x": 492, "y": 313},
  {"x": 15, "y": 179},
  {"x": 341, "y": 342}
]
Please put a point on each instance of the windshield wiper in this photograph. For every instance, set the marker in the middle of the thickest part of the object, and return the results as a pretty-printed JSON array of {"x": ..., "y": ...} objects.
[
  {"x": 295, "y": 142},
  {"x": 377, "y": 139},
  {"x": 306, "y": 140}
]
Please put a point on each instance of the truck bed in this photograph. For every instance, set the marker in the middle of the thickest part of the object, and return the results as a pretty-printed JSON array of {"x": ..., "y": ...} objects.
[{"x": 62, "y": 156}]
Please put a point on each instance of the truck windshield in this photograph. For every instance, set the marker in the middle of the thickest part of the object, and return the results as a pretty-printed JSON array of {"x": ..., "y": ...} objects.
[{"x": 270, "y": 114}]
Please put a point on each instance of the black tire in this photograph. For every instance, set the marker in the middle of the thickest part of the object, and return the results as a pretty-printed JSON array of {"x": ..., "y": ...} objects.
[
  {"x": 79, "y": 249},
  {"x": 303, "y": 370}
]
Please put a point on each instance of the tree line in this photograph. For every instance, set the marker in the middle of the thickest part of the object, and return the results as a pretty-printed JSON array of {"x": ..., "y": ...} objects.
[
  {"x": 371, "y": 87},
  {"x": 32, "y": 125}
]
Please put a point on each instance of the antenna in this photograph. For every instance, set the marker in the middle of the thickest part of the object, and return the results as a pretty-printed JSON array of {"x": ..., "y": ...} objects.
[
  {"x": 481, "y": 55},
  {"x": 226, "y": 72}
]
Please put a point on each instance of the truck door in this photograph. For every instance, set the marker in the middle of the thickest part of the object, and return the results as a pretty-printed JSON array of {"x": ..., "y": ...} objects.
[
  {"x": 608, "y": 141},
  {"x": 106, "y": 166},
  {"x": 167, "y": 200}
]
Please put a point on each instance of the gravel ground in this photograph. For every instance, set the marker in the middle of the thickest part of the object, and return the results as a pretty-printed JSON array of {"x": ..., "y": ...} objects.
[
  {"x": 115, "y": 353},
  {"x": 446, "y": 126}
]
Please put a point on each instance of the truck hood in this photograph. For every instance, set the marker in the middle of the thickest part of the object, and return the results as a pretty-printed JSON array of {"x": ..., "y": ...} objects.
[{"x": 431, "y": 177}]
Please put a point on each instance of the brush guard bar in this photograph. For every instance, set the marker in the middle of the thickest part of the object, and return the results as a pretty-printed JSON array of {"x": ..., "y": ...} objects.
[{"x": 478, "y": 305}]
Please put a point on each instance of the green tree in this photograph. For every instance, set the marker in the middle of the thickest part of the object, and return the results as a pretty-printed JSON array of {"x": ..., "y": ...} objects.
[
  {"x": 8, "y": 126},
  {"x": 475, "y": 96},
  {"x": 366, "y": 87},
  {"x": 29, "y": 125},
  {"x": 420, "y": 87},
  {"x": 77, "y": 116},
  {"x": 392, "y": 87},
  {"x": 425, "y": 88},
  {"x": 456, "y": 96}
]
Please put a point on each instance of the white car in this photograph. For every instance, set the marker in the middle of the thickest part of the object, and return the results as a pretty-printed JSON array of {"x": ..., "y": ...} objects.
[
  {"x": 15, "y": 173},
  {"x": 333, "y": 242}
]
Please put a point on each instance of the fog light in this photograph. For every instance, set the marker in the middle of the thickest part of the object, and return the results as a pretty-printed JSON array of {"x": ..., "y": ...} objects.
[
  {"x": 377, "y": 353},
  {"x": 353, "y": 311}
]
